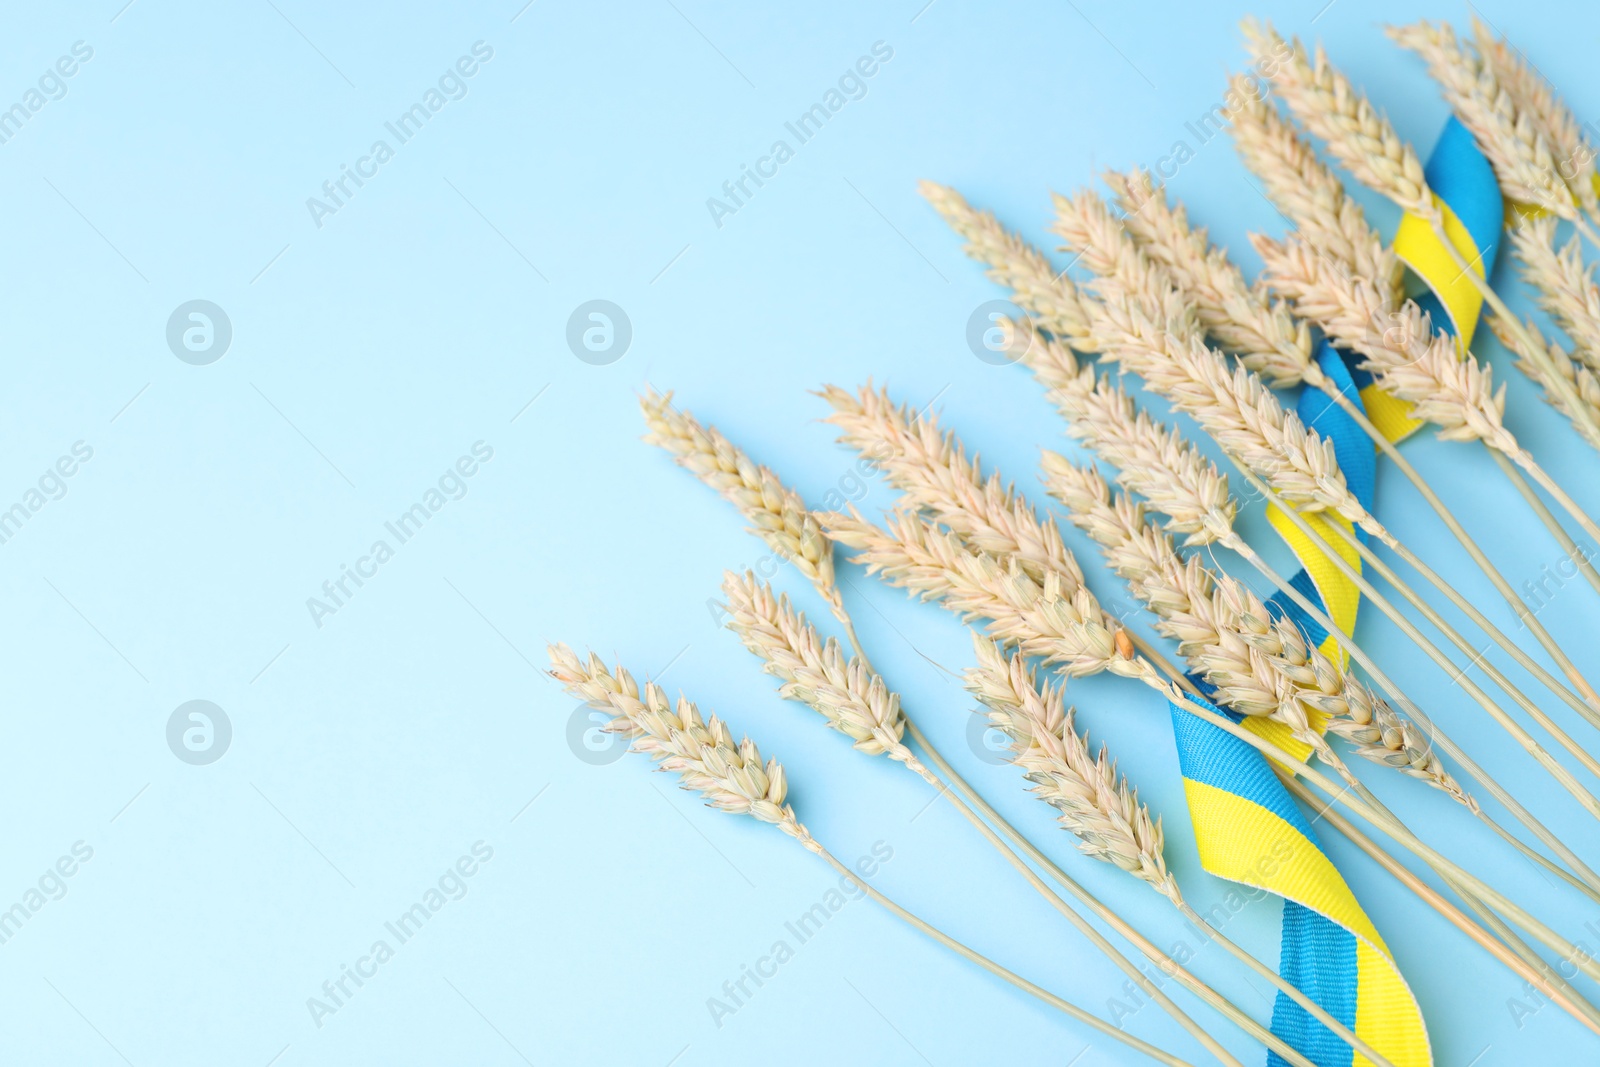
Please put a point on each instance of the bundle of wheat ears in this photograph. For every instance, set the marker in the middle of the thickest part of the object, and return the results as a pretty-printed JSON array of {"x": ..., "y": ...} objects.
[{"x": 1152, "y": 296}]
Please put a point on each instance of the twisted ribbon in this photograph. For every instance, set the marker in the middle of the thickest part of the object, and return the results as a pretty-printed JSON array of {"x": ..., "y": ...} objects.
[{"x": 1247, "y": 828}]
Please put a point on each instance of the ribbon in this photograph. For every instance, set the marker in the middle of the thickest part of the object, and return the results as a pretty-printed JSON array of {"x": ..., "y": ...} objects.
[{"x": 1247, "y": 828}]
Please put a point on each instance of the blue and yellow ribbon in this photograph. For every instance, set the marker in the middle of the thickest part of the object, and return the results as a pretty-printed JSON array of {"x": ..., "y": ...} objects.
[{"x": 1246, "y": 826}]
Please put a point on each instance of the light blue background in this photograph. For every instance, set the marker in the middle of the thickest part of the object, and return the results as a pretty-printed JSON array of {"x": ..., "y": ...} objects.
[{"x": 368, "y": 354}]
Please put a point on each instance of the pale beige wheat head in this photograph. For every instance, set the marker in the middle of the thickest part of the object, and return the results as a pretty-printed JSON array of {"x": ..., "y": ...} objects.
[
  {"x": 1356, "y": 133},
  {"x": 1134, "y": 323},
  {"x": 1411, "y": 360},
  {"x": 841, "y": 688},
  {"x": 1048, "y": 296},
  {"x": 1258, "y": 659},
  {"x": 1510, "y": 138},
  {"x": 701, "y": 751},
  {"x": 1536, "y": 98},
  {"x": 775, "y": 512},
  {"x": 1245, "y": 321},
  {"x": 1301, "y": 186},
  {"x": 1093, "y": 802}
]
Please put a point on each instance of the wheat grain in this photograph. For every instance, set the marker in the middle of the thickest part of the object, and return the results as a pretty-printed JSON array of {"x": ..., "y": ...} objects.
[
  {"x": 1537, "y": 99},
  {"x": 1142, "y": 321},
  {"x": 701, "y": 751},
  {"x": 1040, "y": 618},
  {"x": 775, "y": 512},
  {"x": 1563, "y": 284},
  {"x": 1092, "y": 800},
  {"x": 1245, "y": 321},
  {"x": 1511, "y": 139},
  {"x": 1581, "y": 382},
  {"x": 931, "y": 468},
  {"x": 1308, "y": 193},
  {"x": 1258, "y": 659},
  {"x": 1412, "y": 361},
  {"x": 1357, "y": 134},
  {"x": 1039, "y": 290},
  {"x": 844, "y": 690}
]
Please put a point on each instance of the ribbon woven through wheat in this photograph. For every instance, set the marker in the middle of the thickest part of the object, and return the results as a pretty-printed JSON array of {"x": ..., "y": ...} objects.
[{"x": 1247, "y": 828}]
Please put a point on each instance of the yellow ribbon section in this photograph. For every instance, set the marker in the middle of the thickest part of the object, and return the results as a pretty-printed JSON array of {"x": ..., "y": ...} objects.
[{"x": 1261, "y": 849}]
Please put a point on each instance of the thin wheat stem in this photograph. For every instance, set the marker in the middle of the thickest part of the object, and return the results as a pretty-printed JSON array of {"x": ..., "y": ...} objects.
[
  {"x": 970, "y": 801},
  {"x": 1087, "y": 1018},
  {"x": 1445, "y": 867},
  {"x": 1511, "y": 726},
  {"x": 854, "y": 699},
  {"x": 1590, "y": 763},
  {"x": 1563, "y": 661},
  {"x": 1579, "y": 557},
  {"x": 1536, "y": 976},
  {"x": 1548, "y": 484},
  {"x": 1168, "y": 966},
  {"x": 1435, "y": 733},
  {"x": 733, "y": 778},
  {"x": 1160, "y": 959}
]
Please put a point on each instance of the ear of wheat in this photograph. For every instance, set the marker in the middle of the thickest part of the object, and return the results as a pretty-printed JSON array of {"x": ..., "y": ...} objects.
[
  {"x": 775, "y": 512},
  {"x": 1135, "y": 325},
  {"x": 733, "y": 778},
  {"x": 932, "y": 469},
  {"x": 1536, "y": 99},
  {"x": 1400, "y": 346},
  {"x": 1563, "y": 284},
  {"x": 1048, "y": 296},
  {"x": 1243, "y": 320},
  {"x": 1356, "y": 133},
  {"x": 1093, "y": 802},
  {"x": 1308, "y": 193},
  {"x": 1512, "y": 140},
  {"x": 1258, "y": 659},
  {"x": 701, "y": 751},
  {"x": 844, "y": 690}
]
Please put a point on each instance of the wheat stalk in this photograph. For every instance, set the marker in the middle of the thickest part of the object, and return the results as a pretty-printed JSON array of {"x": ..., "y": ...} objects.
[
  {"x": 733, "y": 778},
  {"x": 844, "y": 690},
  {"x": 1582, "y": 381},
  {"x": 1272, "y": 444},
  {"x": 1563, "y": 284},
  {"x": 1093, "y": 802},
  {"x": 1245, "y": 321},
  {"x": 1048, "y": 296},
  {"x": 1042, "y": 618},
  {"x": 775, "y": 512},
  {"x": 1358, "y": 135},
  {"x": 1399, "y": 345},
  {"x": 701, "y": 751},
  {"x": 1309, "y": 194},
  {"x": 1536, "y": 99},
  {"x": 1368, "y": 146},
  {"x": 1259, "y": 660},
  {"x": 1510, "y": 138},
  {"x": 1144, "y": 323},
  {"x": 932, "y": 469}
]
